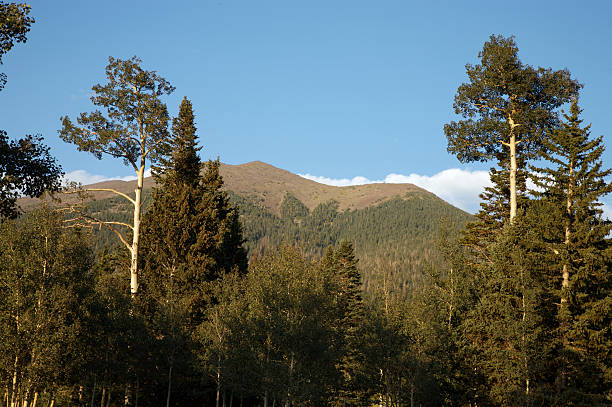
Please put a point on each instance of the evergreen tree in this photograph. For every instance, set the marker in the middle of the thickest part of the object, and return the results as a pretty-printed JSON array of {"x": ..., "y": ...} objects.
[
  {"x": 342, "y": 263},
  {"x": 579, "y": 255},
  {"x": 192, "y": 236},
  {"x": 506, "y": 106}
]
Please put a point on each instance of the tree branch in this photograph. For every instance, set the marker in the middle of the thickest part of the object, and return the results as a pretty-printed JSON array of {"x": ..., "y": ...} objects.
[{"x": 113, "y": 191}]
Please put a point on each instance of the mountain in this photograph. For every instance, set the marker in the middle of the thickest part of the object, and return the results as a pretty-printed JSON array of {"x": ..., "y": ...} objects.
[{"x": 393, "y": 226}]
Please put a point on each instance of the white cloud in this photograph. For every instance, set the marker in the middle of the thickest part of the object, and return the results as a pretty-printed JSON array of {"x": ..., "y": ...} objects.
[
  {"x": 456, "y": 186},
  {"x": 607, "y": 211},
  {"x": 86, "y": 178}
]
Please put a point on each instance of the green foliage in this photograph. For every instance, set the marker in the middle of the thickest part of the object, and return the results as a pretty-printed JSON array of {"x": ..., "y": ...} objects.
[
  {"x": 192, "y": 236},
  {"x": 14, "y": 25},
  {"x": 26, "y": 168},
  {"x": 292, "y": 209},
  {"x": 46, "y": 295},
  {"x": 579, "y": 257},
  {"x": 342, "y": 265},
  {"x": 501, "y": 86},
  {"x": 393, "y": 240},
  {"x": 135, "y": 124},
  {"x": 270, "y": 334}
]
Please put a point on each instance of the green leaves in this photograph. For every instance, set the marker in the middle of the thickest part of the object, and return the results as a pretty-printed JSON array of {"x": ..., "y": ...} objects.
[
  {"x": 501, "y": 88},
  {"x": 134, "y": 122},
  {"x": 26, "y": 168}
]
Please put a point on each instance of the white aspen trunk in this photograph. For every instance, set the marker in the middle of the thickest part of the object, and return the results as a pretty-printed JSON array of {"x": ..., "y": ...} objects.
[
  {"x": 136, "y": 231},
  {"x": 14, "y": 384},
  {"x": 52, "y": 404},
  {"x": 169, "y": 385},
  {"x": 289, "y": 381},
  {"x": 565, "y": 271},
  {"x": 35, "y": 399},
  {"x": 513, "y": 170},
  {"x": 93, "y": 392},
  {"x": 103, "y": 396},
  {"x": 265, "y": 398},
  {"x": 218, "y": 384},
  {"x": 412, "y": 395},
  {"x": 568, "y": 211}
]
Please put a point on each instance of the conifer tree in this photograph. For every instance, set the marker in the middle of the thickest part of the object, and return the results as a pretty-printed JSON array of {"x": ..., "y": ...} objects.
[
  {"x": 506, "y": 107},
  {"x": 191, "y": 237},
  {"x": 579, "y": 254},
  {"x": 343, "y": 264}
]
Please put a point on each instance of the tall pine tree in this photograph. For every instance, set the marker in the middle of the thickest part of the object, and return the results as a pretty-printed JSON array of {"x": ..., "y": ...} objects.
[
  {"x": 580, "y": 257},
  {"x": 342, "y": 263},
  {"x": 192, "y": 236}
]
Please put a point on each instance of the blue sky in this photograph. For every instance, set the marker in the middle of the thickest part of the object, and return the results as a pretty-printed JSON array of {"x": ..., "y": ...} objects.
[{"x": 334, "y": 89}]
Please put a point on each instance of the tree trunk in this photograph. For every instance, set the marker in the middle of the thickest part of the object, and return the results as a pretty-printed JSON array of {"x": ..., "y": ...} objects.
[
  {"x": 14, "y": 385},
  {"x": 562, "y": 379},
  {"x": 218, "y": 384},
  {"x": 35, "y": 399},
  {"x": 513, "y": 170},
  {"x": 93, "y": 392},
  {"x": 290, "y": 380},
  {"x": 80, "y": 395},
  {"x": 169, "y": 385},
  {"x": 103, "y": 396},
  {"x": 136, "y": 232}
]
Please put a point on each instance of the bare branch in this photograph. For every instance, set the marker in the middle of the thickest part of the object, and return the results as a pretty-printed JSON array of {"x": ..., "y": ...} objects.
[{"x": 113, "y": 191}]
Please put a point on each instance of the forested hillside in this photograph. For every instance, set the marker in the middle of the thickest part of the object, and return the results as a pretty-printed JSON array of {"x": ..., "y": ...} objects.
[{"x": 394, "y": 239}]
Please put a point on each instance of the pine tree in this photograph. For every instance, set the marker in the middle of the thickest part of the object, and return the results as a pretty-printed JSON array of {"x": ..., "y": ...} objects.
[
  {"x": 191, "y": 237},
  {"x": 506, "y": 107},
  {"x": 579, "y": 253},
  {"x": 342, "y": 263}
]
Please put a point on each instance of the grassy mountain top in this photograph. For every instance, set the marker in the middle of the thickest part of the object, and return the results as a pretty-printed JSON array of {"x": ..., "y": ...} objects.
[{"x": 267, "y": 186}]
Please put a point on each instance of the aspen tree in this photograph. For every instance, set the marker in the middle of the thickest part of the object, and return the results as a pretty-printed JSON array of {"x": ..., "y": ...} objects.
[{"x": 133, "y": 128}]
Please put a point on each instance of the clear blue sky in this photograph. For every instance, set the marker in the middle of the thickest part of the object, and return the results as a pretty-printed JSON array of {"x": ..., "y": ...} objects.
[{"x": 330, "y": 88}]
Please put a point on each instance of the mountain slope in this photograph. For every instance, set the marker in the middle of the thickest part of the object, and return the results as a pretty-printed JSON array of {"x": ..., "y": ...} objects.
[{"x": 393, "y": 226}]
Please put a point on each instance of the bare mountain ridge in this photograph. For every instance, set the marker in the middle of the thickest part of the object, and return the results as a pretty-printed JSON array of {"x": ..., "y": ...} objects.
[{"x": 267, "y": 185}]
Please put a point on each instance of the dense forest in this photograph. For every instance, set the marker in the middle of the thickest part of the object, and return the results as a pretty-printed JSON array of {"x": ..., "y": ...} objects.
[
  {"x": 395, "y": 240},
  {"x": 203, "y": 298}
]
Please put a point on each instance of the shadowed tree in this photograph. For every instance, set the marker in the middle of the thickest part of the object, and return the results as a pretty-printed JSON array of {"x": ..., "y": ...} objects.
[
  {"x": 571, "y": 190},
  {"x": 191, "y": 237}
]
